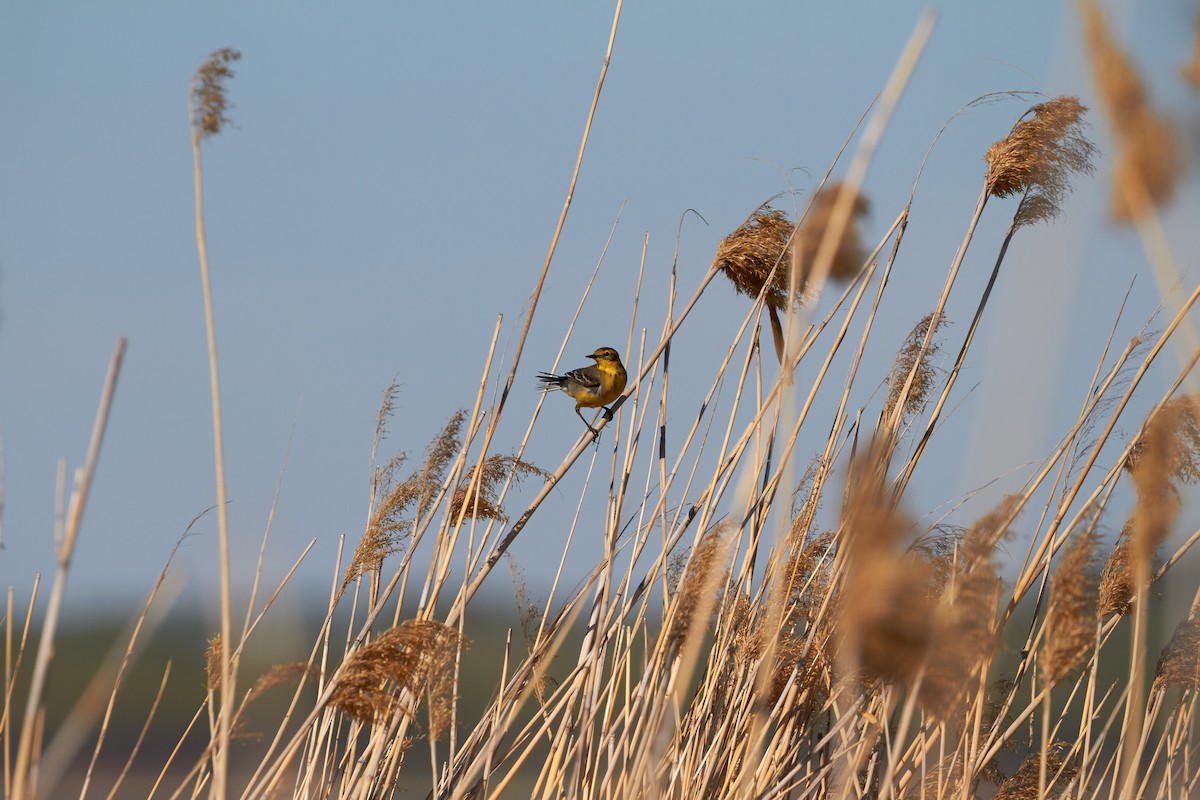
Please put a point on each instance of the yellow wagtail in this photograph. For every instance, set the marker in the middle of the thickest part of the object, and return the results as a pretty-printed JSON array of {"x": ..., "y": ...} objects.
[{"x": 592, "y": 387}]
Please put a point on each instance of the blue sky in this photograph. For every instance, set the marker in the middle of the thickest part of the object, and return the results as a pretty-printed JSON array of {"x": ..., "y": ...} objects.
[{"x": 389, "y": 189}]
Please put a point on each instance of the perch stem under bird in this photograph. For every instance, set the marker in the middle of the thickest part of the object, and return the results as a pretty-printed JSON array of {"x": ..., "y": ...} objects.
[{"x": 591, "y": 387}]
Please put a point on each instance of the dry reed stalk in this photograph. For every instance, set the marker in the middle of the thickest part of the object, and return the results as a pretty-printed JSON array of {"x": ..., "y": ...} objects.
[
  {"x": 29, "y": 743},
  {"x": 1037, "y": 159},
  {"x": 1148, "y": 166},
  {"x": 558, "y": 229},
  {"x": 207, "y": 105},
  {"x": 1035, "y": 559}
]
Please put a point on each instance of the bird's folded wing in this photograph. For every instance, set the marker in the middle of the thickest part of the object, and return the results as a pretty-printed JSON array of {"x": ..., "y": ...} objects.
[{"x": 586, "y": 377}]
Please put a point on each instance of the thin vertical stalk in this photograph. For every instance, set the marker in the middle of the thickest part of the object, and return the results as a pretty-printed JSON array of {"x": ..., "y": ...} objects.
[{"x": 221, "y": 756}]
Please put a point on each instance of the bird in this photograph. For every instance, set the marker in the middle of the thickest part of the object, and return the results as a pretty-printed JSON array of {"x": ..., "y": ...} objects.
[{"x": 592, "y": 387}]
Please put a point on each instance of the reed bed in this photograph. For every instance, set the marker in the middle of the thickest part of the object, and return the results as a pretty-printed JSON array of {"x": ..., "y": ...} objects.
[{"x": 766, "y": 621}]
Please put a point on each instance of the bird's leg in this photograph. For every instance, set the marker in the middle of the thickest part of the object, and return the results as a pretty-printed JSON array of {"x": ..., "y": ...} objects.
[{"x": 595, "y": 432}]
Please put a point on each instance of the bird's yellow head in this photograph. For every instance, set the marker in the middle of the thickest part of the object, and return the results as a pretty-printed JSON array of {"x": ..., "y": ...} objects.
[{"x": 606, "y": 354}]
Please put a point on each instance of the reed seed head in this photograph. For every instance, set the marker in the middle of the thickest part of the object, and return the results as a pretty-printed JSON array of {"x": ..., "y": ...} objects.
[
  {"x": 213, "y": 657},
  {"x": 886, "y": 601},
  {"x": 209, "y": 103},
  {"x": 391, "y": 673},
  {"x": 767, "y": 248},
  {"x": 497, "y": 468},
  {"x": 849, "y": 254},
  {"x": 706, "y": 571},
  {"x": 389, "y": 529},
  {"x": 906, "y": 361},
  {"x": 756, "y": 255},
  {"x": 1179, "y": 663},
  {"x": 1148, "y": 166},
  {"x": 1071, "y": 621},
  {"x": 1026, "y": 781},
  {"x": 1116, "y": 579},
  {"x": 963, "y": 627},
  {"x": 1039, "y": 156}
]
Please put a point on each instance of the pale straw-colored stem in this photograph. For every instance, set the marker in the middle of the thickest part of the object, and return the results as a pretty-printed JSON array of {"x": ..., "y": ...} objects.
[
  {"x": 22, "y": 772},
  {"x": 228, "y": 670}
]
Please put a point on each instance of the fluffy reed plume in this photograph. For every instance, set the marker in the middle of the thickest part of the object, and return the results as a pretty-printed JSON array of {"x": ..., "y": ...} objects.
[
  {"x": 1179, "y": 663},
  {"x": 749, "y": 254},
  {"x": 1024, "y": 783},
  {"x": 939, "y": 546},
  {"x": 397, "y": 668},
  {"x": 964, "y": 634},
  {"x": 496, "y": 469},
  {"x": 769, "y": 243},
  {"x": 209, "y": 103},
  {"x": 807, "y": 576},
  {"x": 906, "y": 359},
  {"x": 212, "y": 662},
  {"x": 806, "y": 573},
  {"x": 1167, "y": 452},
  {"x": 886, "y": 601},
  {"x": 278, "y": 675},
  {"x": 1039, "y": 156},
  {"x": 1116, "y": 579},
  {"x": 849, "y": 253},
  {"x": 1148, "y": 165},
  {"x": 1071, "y": 625},
  {"x": 705, "y": 573},
  {"x": 389, "y": 527}
]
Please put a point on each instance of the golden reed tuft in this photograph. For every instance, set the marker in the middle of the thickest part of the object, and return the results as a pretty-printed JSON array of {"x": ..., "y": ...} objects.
[
  {"x": 1071, "y": 624},
  {"x": 398, "y": 667},
  {"x": 902, "y": 366},
  {"x": 964, "y": 630},
  {"x": 1179, "y": 663},
  {"x": 1038, "y": 157},
  {"x": 209, "y": 103},
  {"x": 849, "y": 254},
  {"x": 1148, "y": 165},
  {"x": 765, "y": 244},
  {"x": 1166, "y": 452},
  {"x": 212, "y": 662},
  {"x": 706, "y": 571},
  {"x": 497, "y": 468},
  {"x": 886, "y": 604},
  {"x": 1026, "y": 781},
  {"x": 277, "y": 675},
  {"x": 750, "y": 254},
  {"x": 389, "y": 528},
  {"x": 1116, "y": 579}
]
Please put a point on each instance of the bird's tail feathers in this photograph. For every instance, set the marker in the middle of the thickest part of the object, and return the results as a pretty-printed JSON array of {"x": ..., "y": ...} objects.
[{"x": 549, "y": 382}]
